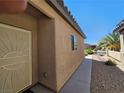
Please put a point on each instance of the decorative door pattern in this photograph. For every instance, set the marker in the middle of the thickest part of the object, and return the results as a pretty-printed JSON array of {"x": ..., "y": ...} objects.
[{"x": 15, "y": 59}]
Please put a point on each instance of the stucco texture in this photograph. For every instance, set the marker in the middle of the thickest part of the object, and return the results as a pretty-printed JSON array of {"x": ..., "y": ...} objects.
[
  {"x": 66, "y": 60},
  {"x": 53, "y": 60}
]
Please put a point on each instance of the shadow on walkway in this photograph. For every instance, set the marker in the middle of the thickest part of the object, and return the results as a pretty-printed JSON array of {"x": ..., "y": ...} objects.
[{"x": 78, "y": 83}]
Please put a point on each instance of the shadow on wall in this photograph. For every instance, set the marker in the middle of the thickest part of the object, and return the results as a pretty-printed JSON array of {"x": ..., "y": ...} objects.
[
  {"x": 76, "y": 82},
  {"x": 106, "y": 79}
]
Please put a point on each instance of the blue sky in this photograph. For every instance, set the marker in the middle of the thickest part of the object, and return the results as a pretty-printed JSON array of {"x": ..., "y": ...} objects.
[{"x": 97, "y": 18}]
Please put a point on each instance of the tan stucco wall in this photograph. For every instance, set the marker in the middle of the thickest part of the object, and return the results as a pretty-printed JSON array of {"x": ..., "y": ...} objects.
[
  {"x": 53, "y": 54},
  {"x": 43, "y": 44},
  {"x": 46, "y": 53},
  {"x": 27, "y": 22},
  {"x": 66, "y": 60}
]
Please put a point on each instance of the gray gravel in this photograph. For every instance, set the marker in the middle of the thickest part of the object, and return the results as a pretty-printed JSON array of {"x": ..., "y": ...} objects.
[{"x": 106, "y": 79}]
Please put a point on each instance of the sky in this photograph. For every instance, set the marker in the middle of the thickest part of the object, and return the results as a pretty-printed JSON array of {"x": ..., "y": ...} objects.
[{"x": 96, "y": 18}]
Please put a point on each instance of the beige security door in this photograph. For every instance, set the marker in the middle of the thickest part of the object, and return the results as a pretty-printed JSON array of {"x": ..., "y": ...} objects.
[{"x": 15, "y": 59}]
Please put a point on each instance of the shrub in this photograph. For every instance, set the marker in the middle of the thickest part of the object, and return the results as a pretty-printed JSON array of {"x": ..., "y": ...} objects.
[
  {"x": 89, "y": 51},
  {"x": 110, "y": 63}
]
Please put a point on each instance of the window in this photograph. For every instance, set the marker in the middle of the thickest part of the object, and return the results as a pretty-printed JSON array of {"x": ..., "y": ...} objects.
[{"x": 74, "y": 42}]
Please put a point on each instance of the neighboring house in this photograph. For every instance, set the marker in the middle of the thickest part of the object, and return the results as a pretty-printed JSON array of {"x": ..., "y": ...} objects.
[
  {"x": 120, "y": 29},
  {"x": 86, "y": 45},
  {"x": 42, "y": 45}
]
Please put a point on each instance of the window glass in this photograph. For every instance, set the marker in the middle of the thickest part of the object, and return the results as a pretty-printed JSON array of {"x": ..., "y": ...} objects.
[{"x": 74, "y": 42}]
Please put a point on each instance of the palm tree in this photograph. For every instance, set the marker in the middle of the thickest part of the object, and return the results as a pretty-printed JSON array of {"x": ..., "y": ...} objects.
[{"x": 110, "y": 41}]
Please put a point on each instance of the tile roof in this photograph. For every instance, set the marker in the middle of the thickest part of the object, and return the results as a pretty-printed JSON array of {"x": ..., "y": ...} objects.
[
  {"x": 119, "y": 26},
  {"x": 66, "y": 14}
]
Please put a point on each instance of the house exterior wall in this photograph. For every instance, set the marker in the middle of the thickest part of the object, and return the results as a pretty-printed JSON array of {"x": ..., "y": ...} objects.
[
  {"x": 120, "y": 28},
  {"x": 66, "y": 60},
  {"x": 122, "y": 46},
  {"x": 53, "y": 60},
  {"x": 46, "y": 53},
  {"x": 43, "y": 44}
]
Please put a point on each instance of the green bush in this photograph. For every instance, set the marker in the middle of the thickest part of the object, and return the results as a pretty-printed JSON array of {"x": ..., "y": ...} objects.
[
  {"x": 89, "y": 51},
  {"x": 110, "y": 63}
]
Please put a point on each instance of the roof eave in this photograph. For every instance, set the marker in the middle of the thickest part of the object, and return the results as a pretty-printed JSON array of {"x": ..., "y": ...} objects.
[
  {"x": 119, "y": 29},
  {"x": 63, "y": 11}
]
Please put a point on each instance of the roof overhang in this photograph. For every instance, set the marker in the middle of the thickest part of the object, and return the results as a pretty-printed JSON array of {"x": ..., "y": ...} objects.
[
  {"x": 119, "y": 29},
  {"x": 65, "y": 13}
]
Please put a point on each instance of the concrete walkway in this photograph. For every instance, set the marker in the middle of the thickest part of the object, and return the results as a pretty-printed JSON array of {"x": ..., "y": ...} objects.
[{"x": 78, "y": 83}]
